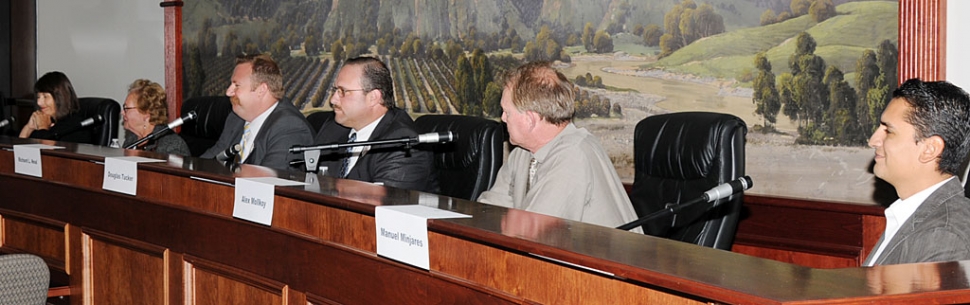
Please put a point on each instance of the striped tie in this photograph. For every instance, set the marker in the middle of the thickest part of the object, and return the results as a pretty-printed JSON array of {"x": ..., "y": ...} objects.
[
  {"x": 243, "y": 142},
  {"x": 532, "y": 174},
  {"x": 345, "y": 169}
]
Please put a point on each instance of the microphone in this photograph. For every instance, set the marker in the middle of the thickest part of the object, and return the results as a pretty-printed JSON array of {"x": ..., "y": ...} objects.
[
  {"x": 229, "y": 153},
  {"x": 727, "y": 189},
  {"x": 176, "y": 123},
  {"x": 8, "y": 121},
  {"x": 717, "y": 193},
  {"x": 179, "y": 121},
  {"x": 433, "y": 137},
  {"x": 436, "y": 137},
  {"x": 81, "y": 125},
  {"x": 91, "y": 121}
]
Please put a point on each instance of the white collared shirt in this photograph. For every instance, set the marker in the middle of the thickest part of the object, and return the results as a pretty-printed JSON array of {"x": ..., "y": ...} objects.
[
  {"x": 256, "y": 125},
  {"x": 897, "y": 214},
  {"x": 362, "y": 135}
]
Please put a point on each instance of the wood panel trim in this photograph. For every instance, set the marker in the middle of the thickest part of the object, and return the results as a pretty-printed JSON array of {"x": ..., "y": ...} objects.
[{"x": 922, "y": 39}]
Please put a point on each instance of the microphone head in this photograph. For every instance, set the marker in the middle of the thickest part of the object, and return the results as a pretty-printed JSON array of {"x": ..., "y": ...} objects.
[
  {"x": 446, "y": 136},
  {"x": 190, "y": 116},
  {"x": 436, "y": 137},
  {"x": 746, "y": 183},
  {"x": 97, "y": 118}
]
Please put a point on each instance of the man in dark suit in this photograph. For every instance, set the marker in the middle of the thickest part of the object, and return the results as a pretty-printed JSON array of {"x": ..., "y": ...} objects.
[
  {"x": 264, "y": 127},
  {"x": 920, "y": 145},
  {"x": 363, "y": 104}
]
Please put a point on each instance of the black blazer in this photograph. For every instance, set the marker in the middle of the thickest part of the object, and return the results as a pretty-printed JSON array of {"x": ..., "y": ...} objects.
[
  {"x": 67, "y": 129},
  {"x": 393, "y": 166}
]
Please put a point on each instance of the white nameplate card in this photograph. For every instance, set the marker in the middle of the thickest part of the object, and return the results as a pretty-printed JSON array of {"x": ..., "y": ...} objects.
[
  {"x": 254, "y": 198},
  {"x": 121, "y": 173},
  {"x": 26, "y": 159},
  {"x": 402, "y": 232}
]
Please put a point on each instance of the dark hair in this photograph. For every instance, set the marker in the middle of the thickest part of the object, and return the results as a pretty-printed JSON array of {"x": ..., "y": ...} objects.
[
  {"x": 939, "y": 109},
  {"x": 151, "y": 100},
  {"x": 265, "y": 70},
  {"x": 376, "y": 76},
  {"x": 57, "y": 84}
]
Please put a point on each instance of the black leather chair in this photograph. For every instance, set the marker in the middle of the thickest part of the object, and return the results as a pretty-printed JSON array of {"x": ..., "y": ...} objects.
[
  {"x": 317, "y": 119},
  {"x": 467, "y": 166},
  {"x": 110, "y": 112},
  {"x": 204, "y": 131},
  {"x": 678, "y": 157}
]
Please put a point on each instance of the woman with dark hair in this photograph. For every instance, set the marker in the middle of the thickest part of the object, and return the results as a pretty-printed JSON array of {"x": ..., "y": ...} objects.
[
  {"x": 145, "y": 111},
  {"x": 57, "y": 116}
]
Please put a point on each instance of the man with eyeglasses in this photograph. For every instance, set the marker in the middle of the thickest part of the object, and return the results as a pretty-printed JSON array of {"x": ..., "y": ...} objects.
[
  {"x": 264, "y": 128},
  {"x": 363, "y": 102}
]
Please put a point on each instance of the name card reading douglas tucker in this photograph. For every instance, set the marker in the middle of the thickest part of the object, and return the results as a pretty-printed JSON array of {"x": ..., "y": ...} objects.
[
  {"x": 402, "y": 232},
  {"x": 121, "y": 173},
  {"x": 254, "y": 198},
  {"x": 27, "y": 159}
]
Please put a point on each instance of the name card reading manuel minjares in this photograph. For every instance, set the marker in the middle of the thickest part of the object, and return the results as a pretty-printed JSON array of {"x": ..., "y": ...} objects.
[
  {"x": 121, "y": 173},
  {"x": 26, "y": 159},
  {"x": 254, "y": 198},
  {"x": 402, "y": 232}
]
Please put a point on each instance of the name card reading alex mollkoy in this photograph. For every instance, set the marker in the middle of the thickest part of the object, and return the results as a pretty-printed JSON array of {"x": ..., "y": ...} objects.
[
  {"x": 402, "y": 232},
  {"x": 121, "y": 173},
  {"x": 254, "y": 198},
  {"x": 26, "y": 159}
]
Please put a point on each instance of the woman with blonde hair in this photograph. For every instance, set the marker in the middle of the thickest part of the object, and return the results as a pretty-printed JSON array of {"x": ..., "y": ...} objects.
[{"x": 145, "y": 111}]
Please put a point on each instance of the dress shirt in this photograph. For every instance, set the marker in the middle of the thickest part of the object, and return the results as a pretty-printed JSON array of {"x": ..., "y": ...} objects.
[
  {"x": 254, "y": 128},
  {"x": 362, "y": 135}
]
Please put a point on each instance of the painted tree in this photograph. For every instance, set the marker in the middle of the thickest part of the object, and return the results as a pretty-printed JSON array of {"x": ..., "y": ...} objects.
[
  {"x": 602, "y": 42},
  {"x": 493, "y": 100},
  {"x": 467, "y": 90},
  {"x": 766, "y": 100},
  {"x": 887, "y": 57},
  {"x": 822, "y": 10},
  {"x": 867, "y": 71},
  {"x": 651, "y": 35},
  {"x": 588, "y": 33}
]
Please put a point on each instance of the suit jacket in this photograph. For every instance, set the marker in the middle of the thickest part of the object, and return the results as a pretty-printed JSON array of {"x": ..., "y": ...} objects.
[
  {"x": 938, "y": 231},
  {"x": 283, "y": 128},
  {"x": 391, "y": 165}
]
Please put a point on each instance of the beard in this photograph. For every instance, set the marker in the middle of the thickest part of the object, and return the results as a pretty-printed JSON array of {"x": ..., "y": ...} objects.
[{"x": 234, "y": 100}]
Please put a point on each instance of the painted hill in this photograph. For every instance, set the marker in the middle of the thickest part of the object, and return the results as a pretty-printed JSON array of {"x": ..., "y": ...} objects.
[{"x": 841, "y": 41}]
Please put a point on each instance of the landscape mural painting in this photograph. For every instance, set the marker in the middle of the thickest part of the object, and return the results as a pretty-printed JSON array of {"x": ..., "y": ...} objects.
[{"x": 809, "y": 77}]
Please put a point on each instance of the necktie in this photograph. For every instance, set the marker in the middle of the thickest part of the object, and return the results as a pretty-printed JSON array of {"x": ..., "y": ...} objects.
[
  {"x": 345, "y": 169},
  {"x": 532, "y": 174},
  {"x": 243, "y": 142}
]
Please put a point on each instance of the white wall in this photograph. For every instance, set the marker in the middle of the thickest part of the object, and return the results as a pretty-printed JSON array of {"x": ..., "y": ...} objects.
[
  {"x": 102, "y": 45},
  {"x": 957, "y": 45}
]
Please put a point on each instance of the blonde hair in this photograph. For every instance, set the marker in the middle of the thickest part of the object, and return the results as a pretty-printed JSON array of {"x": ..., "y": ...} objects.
[
  {"x": 539, "y": 88},
  {"x": 151, "y": 100}
]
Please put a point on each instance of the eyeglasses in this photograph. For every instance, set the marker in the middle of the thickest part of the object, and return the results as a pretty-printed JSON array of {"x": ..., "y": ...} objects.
[
  {"x": 125, "y": 109},
  {"x": 341, "y": 92}
]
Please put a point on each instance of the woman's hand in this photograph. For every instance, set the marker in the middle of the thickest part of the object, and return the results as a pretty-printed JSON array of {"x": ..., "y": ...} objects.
[{"x": 38, "y": 121}]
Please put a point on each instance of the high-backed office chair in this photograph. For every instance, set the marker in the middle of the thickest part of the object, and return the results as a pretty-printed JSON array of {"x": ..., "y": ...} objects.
[
  {"x": 678, "y": 157},
  {"x": 317, "y": 119},
  {"x": 204, "y": 131},
  {"x": 24, "y": 279},
  {"x": 110, "y": 112},
  {"x": 467, "y": 166}
]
